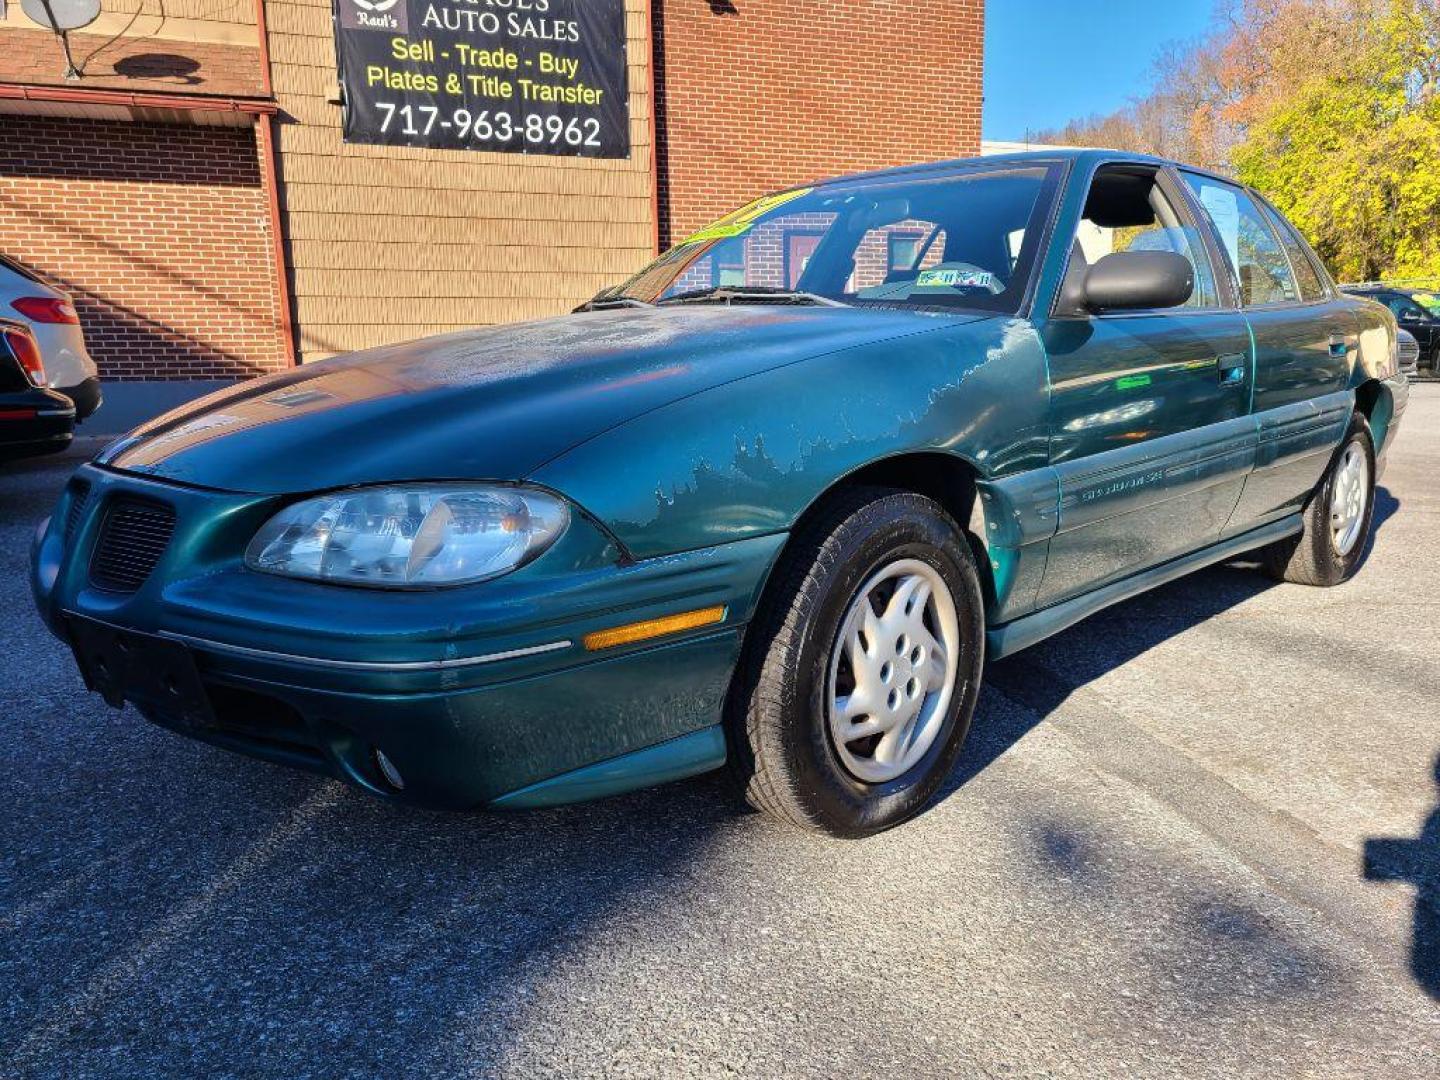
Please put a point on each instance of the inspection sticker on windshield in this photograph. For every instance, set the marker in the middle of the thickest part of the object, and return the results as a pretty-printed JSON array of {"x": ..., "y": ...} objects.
[{"x": 951, "y": 278}]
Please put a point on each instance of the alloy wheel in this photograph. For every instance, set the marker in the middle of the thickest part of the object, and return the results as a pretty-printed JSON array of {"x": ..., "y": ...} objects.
[
  {"x": 892, "y": 671},
  {"x": 1347, "y": 498}
]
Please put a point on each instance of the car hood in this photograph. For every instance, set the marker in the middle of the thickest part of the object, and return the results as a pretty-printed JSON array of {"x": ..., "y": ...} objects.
[{"x": 494, "y": 403}]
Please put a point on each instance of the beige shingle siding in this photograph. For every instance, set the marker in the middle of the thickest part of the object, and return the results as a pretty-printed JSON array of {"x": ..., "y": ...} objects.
[
  {"x": 393, "y": 243},
  {"x": 240, "y": 12}
]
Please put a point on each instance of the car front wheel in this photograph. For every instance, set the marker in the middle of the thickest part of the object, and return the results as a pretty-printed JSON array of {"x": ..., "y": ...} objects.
[{"x": 861, "y": 676}]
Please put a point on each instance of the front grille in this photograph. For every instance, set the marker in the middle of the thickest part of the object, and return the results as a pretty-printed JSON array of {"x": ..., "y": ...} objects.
[
  {"x": 259, "y": 724},
  {"x": 79, "y": 499},
  {"x": 133, "y": 536}
]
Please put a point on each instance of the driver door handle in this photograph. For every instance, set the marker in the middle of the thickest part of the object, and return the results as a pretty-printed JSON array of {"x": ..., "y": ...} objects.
[{"x": 1230, "y": 368}]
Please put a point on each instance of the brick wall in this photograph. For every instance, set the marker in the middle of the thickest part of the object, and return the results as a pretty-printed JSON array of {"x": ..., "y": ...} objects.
[
  {"x": 159, "y": 232},
  {"x": 758, "y": 94}
]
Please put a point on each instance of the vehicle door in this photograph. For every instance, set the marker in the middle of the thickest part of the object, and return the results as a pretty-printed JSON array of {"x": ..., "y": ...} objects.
[
  {"x": 1150, "y": 433},
  {"x": 1305, "y": 336}
]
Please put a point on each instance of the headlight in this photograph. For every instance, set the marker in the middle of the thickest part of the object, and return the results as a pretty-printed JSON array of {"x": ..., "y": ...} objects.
[{"x": 412, "y": 535}]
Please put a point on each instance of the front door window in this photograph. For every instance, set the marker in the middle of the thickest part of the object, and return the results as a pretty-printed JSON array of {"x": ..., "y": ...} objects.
[{"x": 1127, "y": 211}]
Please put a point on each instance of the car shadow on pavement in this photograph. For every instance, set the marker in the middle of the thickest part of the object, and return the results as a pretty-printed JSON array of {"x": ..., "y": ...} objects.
[
  {"x": 1043, "y": 676},
  {"x": 273, "y": 917},
  {"x": 1416, "y": 861}
]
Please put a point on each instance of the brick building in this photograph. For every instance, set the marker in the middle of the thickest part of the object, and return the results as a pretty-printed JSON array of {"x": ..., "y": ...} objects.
[{"x": 193, "y": 192}]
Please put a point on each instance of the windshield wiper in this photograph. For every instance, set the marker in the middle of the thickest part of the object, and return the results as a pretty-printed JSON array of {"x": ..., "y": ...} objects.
[
  {"x": 749, "y": 294},
  {"x": 606, "y": 303}
]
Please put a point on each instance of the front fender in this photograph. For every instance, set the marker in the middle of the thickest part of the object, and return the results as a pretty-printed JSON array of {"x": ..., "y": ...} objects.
[{"x": 747, "y": 458}]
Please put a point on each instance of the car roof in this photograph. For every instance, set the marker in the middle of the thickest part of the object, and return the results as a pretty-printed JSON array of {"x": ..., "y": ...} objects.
[
  {"x": 1074, "y": 154},
  {"x": 1399, "y": 290}
]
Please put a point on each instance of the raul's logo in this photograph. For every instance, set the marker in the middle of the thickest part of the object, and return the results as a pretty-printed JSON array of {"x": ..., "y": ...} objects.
[{"x": 375, "y": 15}]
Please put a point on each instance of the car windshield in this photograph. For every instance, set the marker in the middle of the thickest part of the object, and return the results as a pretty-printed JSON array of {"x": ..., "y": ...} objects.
[{"x": 963, "y": 240}]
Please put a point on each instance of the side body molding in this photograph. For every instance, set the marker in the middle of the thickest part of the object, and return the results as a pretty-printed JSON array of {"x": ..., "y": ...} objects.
[{"x": 1139, "y": 505}]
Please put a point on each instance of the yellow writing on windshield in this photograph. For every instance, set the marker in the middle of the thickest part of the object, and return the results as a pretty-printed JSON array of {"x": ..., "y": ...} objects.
[{"x": 740, "y": 221}]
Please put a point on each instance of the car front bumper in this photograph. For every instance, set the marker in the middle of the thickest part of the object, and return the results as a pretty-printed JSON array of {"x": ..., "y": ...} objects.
[
  {"x": 481, "y": 694},
  {"x": 534, "y": 740}
]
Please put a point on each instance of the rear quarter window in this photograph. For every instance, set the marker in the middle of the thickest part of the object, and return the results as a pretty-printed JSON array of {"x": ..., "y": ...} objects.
[{"x": 25, "y": 272}]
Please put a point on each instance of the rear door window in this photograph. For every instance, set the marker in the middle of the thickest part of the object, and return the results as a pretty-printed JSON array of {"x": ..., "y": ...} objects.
[
  {"x": 1306, "y": 276},
  {"x": 1261, "y": 267}
]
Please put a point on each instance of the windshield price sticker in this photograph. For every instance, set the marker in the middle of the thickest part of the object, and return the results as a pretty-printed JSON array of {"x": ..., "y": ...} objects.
[{"x": 516, "y": 76}]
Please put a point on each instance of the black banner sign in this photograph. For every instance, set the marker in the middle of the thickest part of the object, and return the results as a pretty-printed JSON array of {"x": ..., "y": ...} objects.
[{"x": 518, "y": 76}]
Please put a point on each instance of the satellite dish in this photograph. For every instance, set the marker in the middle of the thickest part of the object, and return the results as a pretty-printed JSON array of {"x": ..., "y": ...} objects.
[{"x": 61, "y": 15}]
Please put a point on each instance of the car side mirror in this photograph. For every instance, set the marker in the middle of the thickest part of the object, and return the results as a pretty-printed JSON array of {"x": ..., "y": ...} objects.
[
  {"x": 1138, "y": 280},
  {"x": 1409, "y": 316}
]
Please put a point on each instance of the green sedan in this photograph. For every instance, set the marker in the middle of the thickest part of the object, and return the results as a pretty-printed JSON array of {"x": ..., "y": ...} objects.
[{"x": 771, "y": 502}]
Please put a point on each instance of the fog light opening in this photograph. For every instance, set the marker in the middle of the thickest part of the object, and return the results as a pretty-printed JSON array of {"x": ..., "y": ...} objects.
[{"x": 388, "y": 770}]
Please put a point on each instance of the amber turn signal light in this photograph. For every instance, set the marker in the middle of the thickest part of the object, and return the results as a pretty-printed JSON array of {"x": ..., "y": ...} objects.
[{"x": 653, "y": 628}]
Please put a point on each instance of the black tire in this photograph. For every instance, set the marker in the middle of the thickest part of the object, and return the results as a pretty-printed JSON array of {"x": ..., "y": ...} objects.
[
  {"x": 1310, "y": 557},
  {"x": 782, "y": 750}
]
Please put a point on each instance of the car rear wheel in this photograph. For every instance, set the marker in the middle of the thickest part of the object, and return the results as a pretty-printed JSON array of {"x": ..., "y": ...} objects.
[
  {"x": 1337, "y": 519},
  {"x": 864, "y": 663}
]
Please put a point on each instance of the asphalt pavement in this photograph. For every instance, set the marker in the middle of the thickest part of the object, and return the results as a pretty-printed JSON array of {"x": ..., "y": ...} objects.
[{"x": 1151, "y": 861}]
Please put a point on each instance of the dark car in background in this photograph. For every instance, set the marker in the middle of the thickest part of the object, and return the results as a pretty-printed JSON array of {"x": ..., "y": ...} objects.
[
  {"x": 1416, "y": 310},
  {"x": 33, "y": 418}
]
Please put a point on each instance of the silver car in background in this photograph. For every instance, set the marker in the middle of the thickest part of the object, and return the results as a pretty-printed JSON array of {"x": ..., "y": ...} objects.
[
  {"x": 1407, "y": 351},
  {"x": 27, "y": 297}
]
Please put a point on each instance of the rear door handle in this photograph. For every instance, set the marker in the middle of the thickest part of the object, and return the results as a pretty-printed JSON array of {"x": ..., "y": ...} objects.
[
  {"x": 1339, "y": 345},
  {"x": 1231, "y": 368}
]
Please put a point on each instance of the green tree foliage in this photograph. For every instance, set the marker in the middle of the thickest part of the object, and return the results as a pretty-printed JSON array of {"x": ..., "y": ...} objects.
[
  {"x": 1353, "y": 155},
  {"x": 1330, "y": 107}
]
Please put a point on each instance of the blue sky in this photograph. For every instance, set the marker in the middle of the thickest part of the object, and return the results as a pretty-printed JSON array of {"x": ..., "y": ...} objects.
[{"x": 1048, "y": 61}]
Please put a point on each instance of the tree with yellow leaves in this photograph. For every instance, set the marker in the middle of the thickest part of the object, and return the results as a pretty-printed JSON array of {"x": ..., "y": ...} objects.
[{"x": 1330, "y": 107}]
